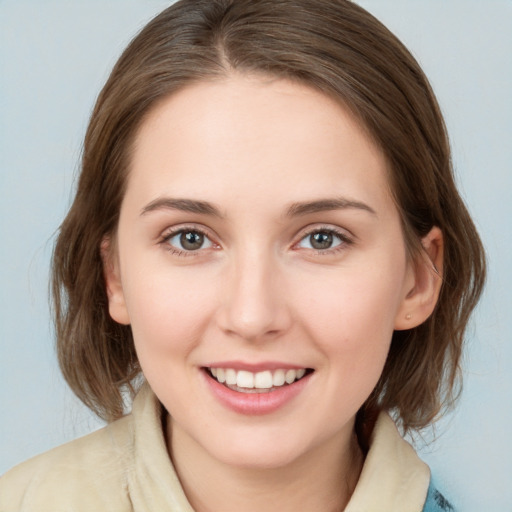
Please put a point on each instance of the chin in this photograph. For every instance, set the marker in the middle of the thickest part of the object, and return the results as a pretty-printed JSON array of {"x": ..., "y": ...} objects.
[
  {"x": 258, "y": 458},
  {"x": 263, "y": 449}
]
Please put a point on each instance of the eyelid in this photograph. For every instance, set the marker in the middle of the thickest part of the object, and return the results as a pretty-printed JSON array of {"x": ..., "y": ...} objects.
[
  {"x": 186, "y": 226},
  {"x": 346, "y": 237},
  {"x": 172, "y": 231}
]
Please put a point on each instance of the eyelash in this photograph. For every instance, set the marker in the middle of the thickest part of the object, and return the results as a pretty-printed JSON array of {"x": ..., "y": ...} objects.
[
  {"x": 345, "y": 240},
  {"x": 183, "y": 229}
]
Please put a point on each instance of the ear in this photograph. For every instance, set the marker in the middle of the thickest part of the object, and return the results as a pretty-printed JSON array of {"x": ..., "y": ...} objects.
[
  {"x": 116, "y": 303},
  {"x": 423, "y": 284}
]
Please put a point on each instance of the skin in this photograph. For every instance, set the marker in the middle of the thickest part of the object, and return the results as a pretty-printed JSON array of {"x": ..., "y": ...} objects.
[{"x": 257, "y": 290}]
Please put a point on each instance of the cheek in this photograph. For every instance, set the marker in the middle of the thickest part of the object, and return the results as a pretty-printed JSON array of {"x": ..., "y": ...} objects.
[
  {"x": 358, "y": 309},
  {"x": 351, "y": 316},
  {"x": 167, "y": 311}
]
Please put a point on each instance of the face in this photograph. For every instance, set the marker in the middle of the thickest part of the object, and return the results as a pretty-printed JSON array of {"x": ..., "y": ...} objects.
[{"x": 258, "y": 244}]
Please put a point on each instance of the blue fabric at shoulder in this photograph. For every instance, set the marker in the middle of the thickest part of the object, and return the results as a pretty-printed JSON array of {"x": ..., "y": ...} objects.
[{"x": 436, "y": 502}]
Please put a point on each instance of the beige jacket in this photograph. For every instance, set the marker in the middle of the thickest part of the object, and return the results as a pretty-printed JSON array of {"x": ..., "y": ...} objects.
[{"x": 125, "y": 467}]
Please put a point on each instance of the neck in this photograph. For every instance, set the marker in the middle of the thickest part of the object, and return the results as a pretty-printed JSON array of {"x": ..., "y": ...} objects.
[{"x": 322, "y": 479}]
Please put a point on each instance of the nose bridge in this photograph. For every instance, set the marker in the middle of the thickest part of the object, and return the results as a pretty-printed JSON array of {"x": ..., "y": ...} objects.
[{"x": 255, "y": 305}]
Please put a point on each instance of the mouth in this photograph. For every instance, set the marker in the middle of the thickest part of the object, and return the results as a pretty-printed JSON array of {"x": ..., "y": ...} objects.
[{"x": 266, "y": 381}]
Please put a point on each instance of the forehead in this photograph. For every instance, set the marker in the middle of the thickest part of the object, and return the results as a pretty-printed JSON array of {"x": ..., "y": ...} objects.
[{"x": 251, "y": 134}]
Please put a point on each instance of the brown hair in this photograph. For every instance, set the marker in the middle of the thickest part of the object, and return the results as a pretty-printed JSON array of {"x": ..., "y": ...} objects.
[{"x": 331, "y": 45}]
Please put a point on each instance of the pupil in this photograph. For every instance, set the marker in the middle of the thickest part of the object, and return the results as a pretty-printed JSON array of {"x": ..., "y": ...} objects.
[
  {"x": 191, "y": 240},
  {"x": 322, "y": 240}
]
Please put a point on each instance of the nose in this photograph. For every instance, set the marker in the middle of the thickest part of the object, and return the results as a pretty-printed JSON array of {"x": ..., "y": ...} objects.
[{"x": 255, "y": 304}]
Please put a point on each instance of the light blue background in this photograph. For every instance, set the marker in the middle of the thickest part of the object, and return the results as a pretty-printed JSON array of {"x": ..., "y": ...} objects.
[{"x": 54, "y": 57}]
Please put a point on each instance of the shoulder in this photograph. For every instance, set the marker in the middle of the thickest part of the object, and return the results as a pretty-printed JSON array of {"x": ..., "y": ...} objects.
[{"x": 79, "y": 475}]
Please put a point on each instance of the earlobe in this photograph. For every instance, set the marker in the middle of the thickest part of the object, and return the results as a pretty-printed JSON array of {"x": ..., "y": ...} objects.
[
  {"x": 116, "y": 303},
  {"x": 424, "y": 286}
]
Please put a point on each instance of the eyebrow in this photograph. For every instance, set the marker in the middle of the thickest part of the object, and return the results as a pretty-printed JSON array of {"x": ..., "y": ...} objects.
[
  {"x": 184, "y": 205},
  {"x": 294, "y": 210},
  {"x": 322, "y": 205}
]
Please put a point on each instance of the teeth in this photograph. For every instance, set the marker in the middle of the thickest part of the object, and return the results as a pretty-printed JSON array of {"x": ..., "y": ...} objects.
[
  {"x": 230, "y": 377},
  {"x": 245, "y": 379},
  {"x": 278, "y": 378},
  {"x": 261, "y": 380},
  {"x": 290, "y": 376}
]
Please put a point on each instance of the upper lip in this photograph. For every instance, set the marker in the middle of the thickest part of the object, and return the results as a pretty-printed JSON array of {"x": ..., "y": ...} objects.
[{"x": 255, "y": 367}]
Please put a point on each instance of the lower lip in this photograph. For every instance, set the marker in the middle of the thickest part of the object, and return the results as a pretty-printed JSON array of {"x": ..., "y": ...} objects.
[{"x": 255, "y": 403}]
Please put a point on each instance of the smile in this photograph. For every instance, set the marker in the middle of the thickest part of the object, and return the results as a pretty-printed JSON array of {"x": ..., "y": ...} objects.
[
  {"x": 244, "y": 381},
  {"x": 263, "y": 389}
]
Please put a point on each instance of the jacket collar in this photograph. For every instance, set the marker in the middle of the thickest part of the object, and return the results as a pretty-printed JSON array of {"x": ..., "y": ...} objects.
[{"x": 393, "y": 476}]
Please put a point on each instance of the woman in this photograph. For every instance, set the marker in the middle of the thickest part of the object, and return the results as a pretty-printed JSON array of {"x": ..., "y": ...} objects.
[{"x": 267, "y": 229}]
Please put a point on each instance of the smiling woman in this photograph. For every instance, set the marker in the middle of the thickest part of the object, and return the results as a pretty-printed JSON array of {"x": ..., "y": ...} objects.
[
  {"x": 267, "y": 247},
  {"x": 273, "y": 280}
]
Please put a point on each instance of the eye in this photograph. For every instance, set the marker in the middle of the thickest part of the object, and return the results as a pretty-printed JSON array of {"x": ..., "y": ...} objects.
[
  {"x": 188, "y": 240},
  {"x": 323, "y": 240}
]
